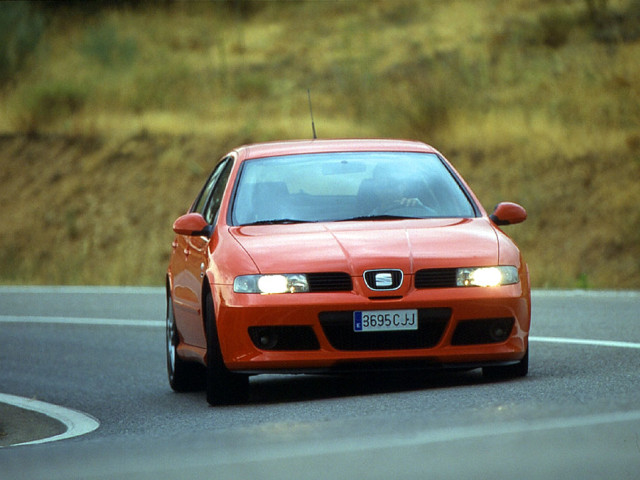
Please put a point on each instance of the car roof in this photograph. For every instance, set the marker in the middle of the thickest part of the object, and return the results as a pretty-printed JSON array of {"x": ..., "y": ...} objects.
[{"x": 294, "y": 147}]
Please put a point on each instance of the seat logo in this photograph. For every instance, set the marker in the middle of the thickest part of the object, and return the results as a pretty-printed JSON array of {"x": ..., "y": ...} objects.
[{"x": 383, "y": 279}]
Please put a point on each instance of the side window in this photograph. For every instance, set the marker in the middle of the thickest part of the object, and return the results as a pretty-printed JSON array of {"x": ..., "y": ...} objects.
[
  {"x": 213, "y": 205},
  {"x": 198, "y": 205}
]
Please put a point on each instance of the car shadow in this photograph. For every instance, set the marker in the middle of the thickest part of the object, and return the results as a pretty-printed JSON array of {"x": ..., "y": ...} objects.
[{"x": 269, "y": 389}]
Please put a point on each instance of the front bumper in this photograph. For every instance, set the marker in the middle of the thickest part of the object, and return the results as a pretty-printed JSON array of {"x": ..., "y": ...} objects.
[{"x": 454, "y": 330}]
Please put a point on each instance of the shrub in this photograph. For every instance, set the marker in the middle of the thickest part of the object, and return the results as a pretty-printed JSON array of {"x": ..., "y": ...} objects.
[
  {"x": 46, "y": 103},
  {"x": 20, "y": 30},
  {"x": 598, "y": 11},
  {"x": 103, "y": 44},
  {"x": 555, "y": 27},
  {"x": 611, "y": 26},
  {"x": 551, "y": 29}
]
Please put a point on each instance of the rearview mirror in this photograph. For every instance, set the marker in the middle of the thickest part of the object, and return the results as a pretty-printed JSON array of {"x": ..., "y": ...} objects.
[
  {"x": 508, "y": 213},
  {"x": 192, "y": 224},
  {"x": 343, "y": 168}
]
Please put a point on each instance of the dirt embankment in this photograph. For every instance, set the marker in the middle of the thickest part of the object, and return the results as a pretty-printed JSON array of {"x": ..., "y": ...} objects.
[
  {"x": 89, "y": 210},
  {"x": 81, "y": 210}
]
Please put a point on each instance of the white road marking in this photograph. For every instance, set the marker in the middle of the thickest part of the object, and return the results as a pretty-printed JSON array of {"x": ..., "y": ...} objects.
[
  {"x": 619, "y": 294},
  {"x": 77, "y": 423},
  {"x": 581, "y": 341},
  {"x": 74, "y": 290},
  {"x": 119, "y": 322}
]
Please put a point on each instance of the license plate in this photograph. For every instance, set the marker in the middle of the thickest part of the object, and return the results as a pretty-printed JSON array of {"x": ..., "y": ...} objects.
[{"x": 385, "y": 320}]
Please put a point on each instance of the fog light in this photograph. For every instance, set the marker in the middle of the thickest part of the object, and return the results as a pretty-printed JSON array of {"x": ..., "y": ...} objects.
[
  {"x": 498, "y": 332},
  {"x": 284, "y": 337},
  {"x": 487, "y": 330},
  {"x": 268, "y": 340}
]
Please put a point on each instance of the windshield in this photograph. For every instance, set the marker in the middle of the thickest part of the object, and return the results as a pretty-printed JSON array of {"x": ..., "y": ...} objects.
[{"x": 347, "y": 186}]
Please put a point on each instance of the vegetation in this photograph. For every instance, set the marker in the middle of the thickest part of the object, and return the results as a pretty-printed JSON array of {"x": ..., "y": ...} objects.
[{"x": 113, "y": 113}]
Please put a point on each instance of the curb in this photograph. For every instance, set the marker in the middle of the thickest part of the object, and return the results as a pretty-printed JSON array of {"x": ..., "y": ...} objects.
[{"x": 25, "y": 421}]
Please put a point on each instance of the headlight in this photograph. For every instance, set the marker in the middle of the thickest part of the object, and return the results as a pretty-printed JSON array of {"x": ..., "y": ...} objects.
[
  {"x": 267, "y": 284},
  {"x": 486, "y": 276}
]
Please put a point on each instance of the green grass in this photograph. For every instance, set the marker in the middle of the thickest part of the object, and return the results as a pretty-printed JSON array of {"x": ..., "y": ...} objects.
[{"x": 116, "y": 115}]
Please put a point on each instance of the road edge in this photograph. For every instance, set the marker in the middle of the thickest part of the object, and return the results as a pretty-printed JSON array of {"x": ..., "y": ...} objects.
[{"x": 76, "y": 423}]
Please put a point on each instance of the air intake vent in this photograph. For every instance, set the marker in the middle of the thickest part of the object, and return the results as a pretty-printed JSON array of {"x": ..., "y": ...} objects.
[
  {"x": 329, "y": 282},
  {"x": 436, "y": 278}
]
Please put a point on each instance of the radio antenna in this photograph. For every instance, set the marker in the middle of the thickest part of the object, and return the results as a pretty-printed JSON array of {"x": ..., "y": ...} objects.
[{"x": 313, "y": 125}]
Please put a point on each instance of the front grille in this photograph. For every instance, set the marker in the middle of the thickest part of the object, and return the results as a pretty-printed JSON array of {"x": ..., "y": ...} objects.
[
  {"x": 338, "y": 328},
  {"x": 329, "y": 282},
  {"x": 436, "y": 278}
]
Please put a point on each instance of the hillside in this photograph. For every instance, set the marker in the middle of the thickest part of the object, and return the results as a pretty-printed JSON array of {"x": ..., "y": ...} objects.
[{"x": 114, "y": 116}]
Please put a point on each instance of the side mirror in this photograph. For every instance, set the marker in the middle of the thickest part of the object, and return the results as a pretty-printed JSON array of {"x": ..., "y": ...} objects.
[
  {"x": 192, "y": 224},
  {"x": 507, "y": 213}
]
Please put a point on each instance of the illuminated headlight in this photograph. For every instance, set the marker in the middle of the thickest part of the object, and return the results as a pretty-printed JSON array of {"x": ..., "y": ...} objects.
[
  {"x": 267, "y": 284},
  {"x": 486, "y": 276}
]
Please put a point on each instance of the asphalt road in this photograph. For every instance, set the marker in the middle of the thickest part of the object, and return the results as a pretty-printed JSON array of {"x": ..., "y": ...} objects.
[{"x": 101, "y": 351}]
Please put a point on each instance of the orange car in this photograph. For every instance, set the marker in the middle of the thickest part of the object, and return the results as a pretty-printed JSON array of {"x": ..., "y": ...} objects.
[{"x": 341, "y": 255}]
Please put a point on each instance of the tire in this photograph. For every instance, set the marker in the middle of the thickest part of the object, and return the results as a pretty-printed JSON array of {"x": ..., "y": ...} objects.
[
  {"x": 183, "y": 376},
  {"x": 520, "y": 369},
  {"x": 223, "y": 386}
]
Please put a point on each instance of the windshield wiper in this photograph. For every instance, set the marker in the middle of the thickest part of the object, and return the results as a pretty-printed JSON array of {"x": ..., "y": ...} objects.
[{"x": 277, "y": 221}]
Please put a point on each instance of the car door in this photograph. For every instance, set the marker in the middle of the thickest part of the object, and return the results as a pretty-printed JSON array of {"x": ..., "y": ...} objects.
[{"x": 192, "y": 251}]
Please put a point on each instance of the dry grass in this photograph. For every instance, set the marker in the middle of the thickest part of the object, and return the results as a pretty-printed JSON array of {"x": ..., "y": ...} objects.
[{"x": 114, "y": 121}]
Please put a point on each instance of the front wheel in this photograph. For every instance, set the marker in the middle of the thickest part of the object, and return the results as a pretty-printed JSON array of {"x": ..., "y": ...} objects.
[
  {"x": 183, "y": 376},
  {"x": 520, "y": 369},
  {"x": 223, "y": 386}
]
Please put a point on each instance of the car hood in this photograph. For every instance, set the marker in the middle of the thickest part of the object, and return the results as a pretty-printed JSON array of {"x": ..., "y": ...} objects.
[{"x": 354, "y": 247}]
